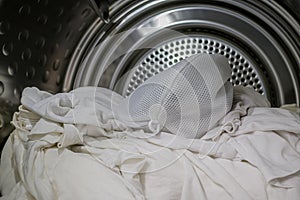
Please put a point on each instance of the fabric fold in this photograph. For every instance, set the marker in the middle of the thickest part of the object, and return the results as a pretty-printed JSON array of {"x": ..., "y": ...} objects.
[{"x": 84, "y": 149}]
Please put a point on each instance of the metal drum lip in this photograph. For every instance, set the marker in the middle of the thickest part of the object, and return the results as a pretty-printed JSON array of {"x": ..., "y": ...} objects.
[{"x": 97, "y": 23}]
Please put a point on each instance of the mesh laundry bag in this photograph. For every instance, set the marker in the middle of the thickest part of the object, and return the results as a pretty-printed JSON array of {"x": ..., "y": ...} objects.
[{"x": 187, "y": 99}]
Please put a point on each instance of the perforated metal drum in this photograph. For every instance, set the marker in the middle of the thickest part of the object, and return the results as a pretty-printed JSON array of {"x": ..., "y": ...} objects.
[{"x": 170, "y": 53}]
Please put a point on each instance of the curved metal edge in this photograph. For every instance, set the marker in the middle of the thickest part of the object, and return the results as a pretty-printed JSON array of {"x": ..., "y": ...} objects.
[{"x": 271, "y": 5}]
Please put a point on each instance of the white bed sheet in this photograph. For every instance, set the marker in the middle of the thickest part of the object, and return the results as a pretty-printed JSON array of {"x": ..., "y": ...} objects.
[{"x": 71, "y": 146}]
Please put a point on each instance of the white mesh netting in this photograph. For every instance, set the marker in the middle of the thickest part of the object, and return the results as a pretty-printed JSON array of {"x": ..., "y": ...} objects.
[{"x": 187, "y": 99}]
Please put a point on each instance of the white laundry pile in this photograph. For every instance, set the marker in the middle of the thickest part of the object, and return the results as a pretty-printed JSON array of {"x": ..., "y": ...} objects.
[{"x": 77, "y": 146}]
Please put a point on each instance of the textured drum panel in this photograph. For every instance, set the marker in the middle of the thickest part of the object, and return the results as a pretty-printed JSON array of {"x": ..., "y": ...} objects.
[{"x": 37, "y": 38}]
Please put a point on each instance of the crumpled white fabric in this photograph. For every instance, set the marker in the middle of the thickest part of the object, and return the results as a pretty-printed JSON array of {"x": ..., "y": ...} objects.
[{"x": 71, "y": 146}]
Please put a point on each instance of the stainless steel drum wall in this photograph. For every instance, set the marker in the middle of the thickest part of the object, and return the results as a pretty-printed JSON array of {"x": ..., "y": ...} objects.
[
  {"x": 262, "y": 31},
  {"x": 37, "y": 38}
]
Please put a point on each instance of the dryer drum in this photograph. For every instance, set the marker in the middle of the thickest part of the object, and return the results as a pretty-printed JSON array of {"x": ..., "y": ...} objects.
[{"x": 60, "y": 45}]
